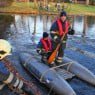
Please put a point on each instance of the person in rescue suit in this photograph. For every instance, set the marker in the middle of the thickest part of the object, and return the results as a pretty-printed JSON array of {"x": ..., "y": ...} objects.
[
  {"x": 59, "y": 28},
  {"x": 44, "y": 47},
  {"x": 7, "y": 77}
]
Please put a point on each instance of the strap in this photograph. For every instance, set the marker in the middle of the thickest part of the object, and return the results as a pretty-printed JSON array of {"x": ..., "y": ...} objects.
[
  {"x": 61, "y": 32},
  {"x": 16, "y": 83},
  {"x": 20, "y": 85},
  {"x": 10, "y": 78}
]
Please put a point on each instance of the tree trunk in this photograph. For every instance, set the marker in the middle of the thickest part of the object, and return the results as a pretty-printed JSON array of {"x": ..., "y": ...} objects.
[
  {"x": 35, "y": 2},
  {"x": 35, "y": 20},
  {"x": 84, "y": 26},
  {"x": 75, "y": 1},
  {"x": 87, "y": 2}
]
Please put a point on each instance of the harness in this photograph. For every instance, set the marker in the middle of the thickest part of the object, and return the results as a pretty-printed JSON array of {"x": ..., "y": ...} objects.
[
  {"x": 61, "y": 31},
  {"x": 46, "y": 44}
]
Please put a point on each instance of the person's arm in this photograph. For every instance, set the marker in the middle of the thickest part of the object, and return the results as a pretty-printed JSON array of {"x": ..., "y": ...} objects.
[
  {"x": 39, "y": 47},
  {"x": 54, "y": 31},
  {"x": 8, "y": 78}
]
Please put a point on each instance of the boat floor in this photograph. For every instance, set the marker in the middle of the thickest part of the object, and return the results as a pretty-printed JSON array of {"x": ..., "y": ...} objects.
[
  {"x": 61, "y": 71},
  {"x": 64, "y": 73}
]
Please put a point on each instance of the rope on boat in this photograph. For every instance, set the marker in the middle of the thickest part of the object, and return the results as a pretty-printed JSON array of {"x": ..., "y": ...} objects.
[
  {"x": 69, "y": 65},
  {"x": 50, "y": 90}
]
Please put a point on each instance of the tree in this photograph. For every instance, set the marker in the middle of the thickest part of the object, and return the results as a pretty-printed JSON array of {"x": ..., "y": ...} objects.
[
  {"x": 75, "y": 1},
  {"x": 5, "y": 22},
  {"x": 87, "y": 2},
  {"x": 5, "y": 3},
  {"x": 92, "y": 2},
  {"x": 35, "y": 2}
]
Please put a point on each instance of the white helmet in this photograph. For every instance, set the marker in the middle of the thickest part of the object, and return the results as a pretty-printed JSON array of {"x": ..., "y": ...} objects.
[{"x": 5, "y": 48}]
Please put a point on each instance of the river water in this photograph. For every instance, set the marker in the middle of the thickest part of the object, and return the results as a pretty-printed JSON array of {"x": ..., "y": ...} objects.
[
  {"x": 19, "y": 27},
  {"x": 27, "y": 30}
]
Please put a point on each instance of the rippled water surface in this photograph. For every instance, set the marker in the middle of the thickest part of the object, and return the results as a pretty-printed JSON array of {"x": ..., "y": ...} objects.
[{"x": 27, "y": 30}]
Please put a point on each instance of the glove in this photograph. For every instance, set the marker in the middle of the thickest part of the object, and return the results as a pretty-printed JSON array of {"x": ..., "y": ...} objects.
[
  {"x": 71, "y": 32},
  {"x": 39, "y": 51},
  {"x": 58, "y": 40}
]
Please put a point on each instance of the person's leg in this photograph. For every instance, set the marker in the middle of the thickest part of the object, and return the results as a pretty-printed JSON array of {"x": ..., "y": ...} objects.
[
  {"x": 60, "y": 55},
  {"x": 54, "y": 46},
  {"x": 44, "y": 58}
]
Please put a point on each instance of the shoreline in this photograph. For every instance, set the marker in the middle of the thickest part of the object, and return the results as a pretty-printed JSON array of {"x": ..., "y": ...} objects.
[
  {"x": 43, "y": 13},
  {"x": 23, "y": 8}
]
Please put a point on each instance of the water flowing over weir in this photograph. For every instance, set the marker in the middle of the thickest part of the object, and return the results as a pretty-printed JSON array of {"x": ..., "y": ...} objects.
[{"x": 26, "y": 30}]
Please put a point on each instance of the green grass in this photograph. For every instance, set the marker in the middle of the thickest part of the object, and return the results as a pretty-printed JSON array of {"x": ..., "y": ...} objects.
[
  {"x": 19, "y": 8},
  {"x": 30, "y": 8},
  {"x": 82, "y": 9}
]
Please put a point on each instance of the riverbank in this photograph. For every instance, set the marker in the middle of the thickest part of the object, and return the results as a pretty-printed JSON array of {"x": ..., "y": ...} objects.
[{"x": 30, "y": 8}]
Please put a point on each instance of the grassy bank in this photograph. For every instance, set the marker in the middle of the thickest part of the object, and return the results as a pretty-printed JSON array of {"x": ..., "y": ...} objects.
[
  {"x": 82, "y": 9},
  {"x": 29, "y": 8}
]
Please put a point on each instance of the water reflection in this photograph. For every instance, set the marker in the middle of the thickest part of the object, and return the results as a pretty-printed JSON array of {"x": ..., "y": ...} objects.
[
  {"x": 78, "y": 24},
  {"x": 29, "y": 28},
  {"x": 85, "y": 26},
  {"x": 5, "y": 22},
  {"x": 91, "y": 27}
]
